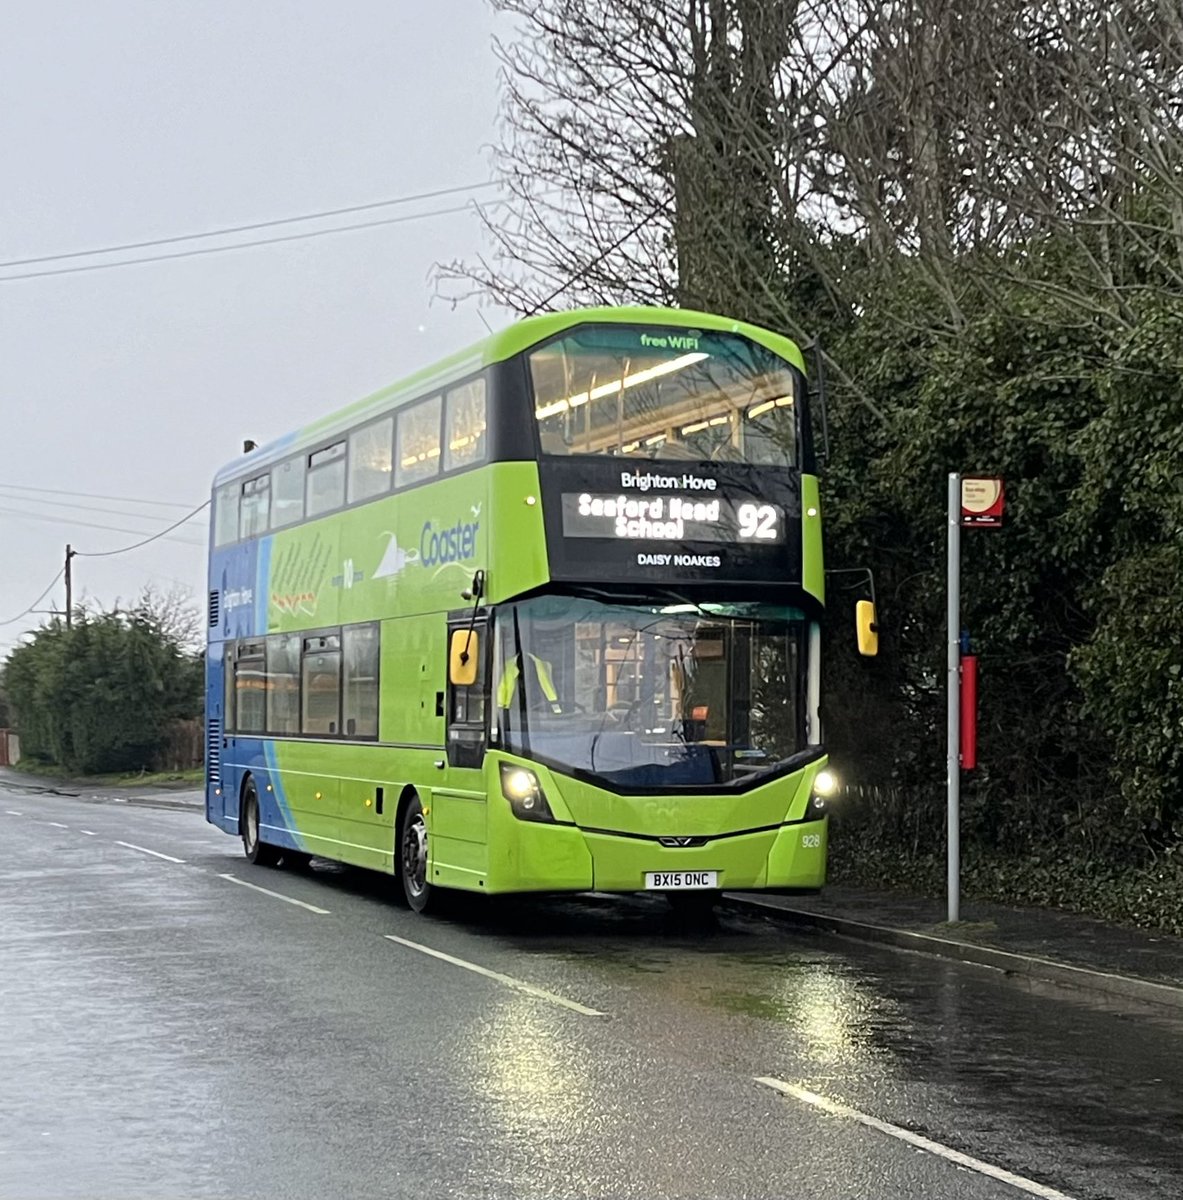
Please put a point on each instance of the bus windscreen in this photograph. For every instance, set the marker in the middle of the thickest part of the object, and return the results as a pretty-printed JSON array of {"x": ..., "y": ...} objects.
[
  {"x": 652, "y": 393},
  {"x": 651, "y": 696}
]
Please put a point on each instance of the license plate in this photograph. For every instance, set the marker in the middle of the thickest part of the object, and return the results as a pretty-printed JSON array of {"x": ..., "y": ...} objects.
[{"x": 669, "y": 881}]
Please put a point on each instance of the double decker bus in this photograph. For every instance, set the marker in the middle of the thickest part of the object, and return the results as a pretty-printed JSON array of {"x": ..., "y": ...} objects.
[{"x": 541, "y": 618}]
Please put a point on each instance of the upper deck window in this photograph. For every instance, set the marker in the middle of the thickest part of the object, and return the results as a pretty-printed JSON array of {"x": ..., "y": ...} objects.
[
  {"x": 417, "y": 455},
  {"x": 659, "y": 393},
  {"x": 464, "y": 438},
  {"x": 287, "y": 493},
  {"x": 252, "y": 515},
  {"x": 326, "y": 480},
  {"x": 226, "y": 513},
  {"x": 370, "y": 450}
]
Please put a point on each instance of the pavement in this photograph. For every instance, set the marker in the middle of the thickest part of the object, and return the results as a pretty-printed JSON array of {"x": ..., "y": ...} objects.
[
  {"x": 1038, "y": 943},
  {"x": 173, "y": 795}
]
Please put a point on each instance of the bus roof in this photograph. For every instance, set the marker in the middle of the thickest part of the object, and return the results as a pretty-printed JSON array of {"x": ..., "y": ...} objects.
[{"x": 494, "y": 349}]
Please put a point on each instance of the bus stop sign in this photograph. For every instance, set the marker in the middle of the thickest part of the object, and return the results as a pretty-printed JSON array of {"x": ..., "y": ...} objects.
[{"x": 981, "y": 501}]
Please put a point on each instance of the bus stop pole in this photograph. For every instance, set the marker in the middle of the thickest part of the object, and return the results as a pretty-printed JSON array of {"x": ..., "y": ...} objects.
[{"x": 953, "y": 667}]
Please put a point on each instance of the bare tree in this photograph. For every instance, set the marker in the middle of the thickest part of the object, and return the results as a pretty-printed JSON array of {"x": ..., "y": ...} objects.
[
  {"x": 662, "y": 152},
  {"x": 175, "y": 614},
  {"x": 784, "y": 159},
  {"x": 1032, "y": 145}
]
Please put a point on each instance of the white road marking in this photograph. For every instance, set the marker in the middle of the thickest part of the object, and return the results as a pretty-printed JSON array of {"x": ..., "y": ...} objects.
[
  {"x": 88, "y": 832},
  {"x": 13, "y": 813},
  {"x": 508, "y": 980},
  {"x": 154, "y": 853},
  {"x": 57, "y": 824},
  {"x": 914, "y": 1139},
  {"x": 324, "y": 912}
]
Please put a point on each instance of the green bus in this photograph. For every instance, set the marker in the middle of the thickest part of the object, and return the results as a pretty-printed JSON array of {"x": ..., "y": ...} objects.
[{"x": 542, "y": 618}]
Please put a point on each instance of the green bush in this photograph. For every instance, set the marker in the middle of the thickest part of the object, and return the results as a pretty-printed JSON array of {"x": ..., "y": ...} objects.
[{"x": 99, "y": 697}]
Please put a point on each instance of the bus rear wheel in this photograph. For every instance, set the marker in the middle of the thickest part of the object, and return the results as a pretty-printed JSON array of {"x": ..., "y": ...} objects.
[
  {"x": 257, "y": 851},
  {"x": 412, "y": 860}
]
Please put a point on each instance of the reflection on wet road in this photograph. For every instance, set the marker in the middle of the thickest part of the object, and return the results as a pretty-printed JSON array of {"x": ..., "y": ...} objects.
[{"x": 168, "y": 1033}]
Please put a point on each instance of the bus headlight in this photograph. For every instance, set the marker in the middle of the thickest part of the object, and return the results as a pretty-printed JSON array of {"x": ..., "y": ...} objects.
[
  {"x": 521, "y": 788},
  {"x": 825, "y": 784}
]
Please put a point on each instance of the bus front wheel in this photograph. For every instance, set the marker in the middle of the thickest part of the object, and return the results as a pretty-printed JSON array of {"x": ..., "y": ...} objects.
[
  {"x": 257, "y": 851},
  {"x": 412, "y": 843}
]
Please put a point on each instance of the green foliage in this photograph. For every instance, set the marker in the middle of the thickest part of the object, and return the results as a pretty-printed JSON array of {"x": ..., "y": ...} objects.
[
  {"x": 995, "y": 277},
  {"x": 1131, "y": 520},
  {"x": 1072, "y": 607},
  {"x": 1146, "y": 895},
  {"x": 100, "y": 696}
]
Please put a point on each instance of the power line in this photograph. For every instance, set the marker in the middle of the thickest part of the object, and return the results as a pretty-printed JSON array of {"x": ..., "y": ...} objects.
[
  {"x": 291, "y": 237},
  {"x": 313, "y": 216},
  {"x": 95, "y": 553},
  {"x": 21, "y": 616},
  {"x": 137, "y": 545},
  {"x": 73, "y": 521},
  {"x": 85, "y": 507},
  {"x": 20, "y": 487}
]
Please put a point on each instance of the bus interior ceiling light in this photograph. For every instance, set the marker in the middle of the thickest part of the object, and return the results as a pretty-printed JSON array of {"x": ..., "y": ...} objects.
[
  {"x": 629, "y": 381},
  {"x": 768, "y": 405}
]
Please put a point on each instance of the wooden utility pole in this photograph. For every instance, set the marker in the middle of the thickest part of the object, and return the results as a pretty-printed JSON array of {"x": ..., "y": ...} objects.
[{"x": 69, "y": 587}]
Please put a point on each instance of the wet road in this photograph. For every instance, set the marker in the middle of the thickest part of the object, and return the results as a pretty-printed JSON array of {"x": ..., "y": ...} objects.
[{"x": 167, "y": 1031}]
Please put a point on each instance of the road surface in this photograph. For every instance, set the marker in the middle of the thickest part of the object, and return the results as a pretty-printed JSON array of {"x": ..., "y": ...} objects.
[{"x": 177, "y": 1023}]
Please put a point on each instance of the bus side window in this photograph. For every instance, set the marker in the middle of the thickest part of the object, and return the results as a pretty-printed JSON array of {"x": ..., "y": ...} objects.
[
  {"x": 283, "y": 683},
  {"x": 250, "y": 686},
  {"x": 467, "y": 703},
  {"x": 320, "y": 692},
  {"x": 226, "y": 514},
  {"x": 362, "y": 657},
  {"x": 228, "y": 688},
  {"x": 464, "y": 425},
  {"x": 254, "y": 511},
  {"x": 287, "y": 493},
  {"x": 370, "y": 451},
  {"x": 417, "y": 452},
  {"x": 326, "y": 480}
]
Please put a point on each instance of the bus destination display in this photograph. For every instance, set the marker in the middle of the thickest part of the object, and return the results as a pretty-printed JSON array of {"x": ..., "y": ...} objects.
[
  {"x": 671, "y": 518},
  {"x": 730, "y": 522}
]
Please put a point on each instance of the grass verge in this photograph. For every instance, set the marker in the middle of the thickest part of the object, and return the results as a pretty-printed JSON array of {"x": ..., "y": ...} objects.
[{"x": 122, "y": 779}]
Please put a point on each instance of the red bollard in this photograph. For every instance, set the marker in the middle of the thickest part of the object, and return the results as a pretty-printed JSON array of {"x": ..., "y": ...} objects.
[{"x": 969, "y": 711}]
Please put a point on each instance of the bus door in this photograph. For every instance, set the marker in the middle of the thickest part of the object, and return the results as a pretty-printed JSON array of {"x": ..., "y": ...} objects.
[
  {"x": 468, "y": 692},
  {"x": 459, "y": 802}
]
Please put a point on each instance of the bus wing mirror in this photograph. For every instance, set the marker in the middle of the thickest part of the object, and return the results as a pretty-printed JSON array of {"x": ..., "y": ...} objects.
[
  {"x": 463, "y": 657},
  {"x": 867, "y": 628}
]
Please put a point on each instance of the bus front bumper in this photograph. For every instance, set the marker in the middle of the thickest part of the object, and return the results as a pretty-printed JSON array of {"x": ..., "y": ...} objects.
[{"x": 545, "y": 857}]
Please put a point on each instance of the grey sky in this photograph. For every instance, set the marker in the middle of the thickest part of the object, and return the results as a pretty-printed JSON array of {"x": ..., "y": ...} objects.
[{"x": 124, "y": 121}]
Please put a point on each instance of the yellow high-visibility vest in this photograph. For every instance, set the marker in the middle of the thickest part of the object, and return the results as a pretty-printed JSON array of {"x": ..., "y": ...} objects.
[{"x": 512, "y": 673}]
